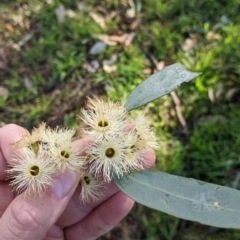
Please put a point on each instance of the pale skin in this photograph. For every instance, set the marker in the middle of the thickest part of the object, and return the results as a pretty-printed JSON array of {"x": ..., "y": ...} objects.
[{"x": 57, "y": 215}]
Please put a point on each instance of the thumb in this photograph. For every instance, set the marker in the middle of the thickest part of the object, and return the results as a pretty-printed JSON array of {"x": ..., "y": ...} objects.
[{"x": 31, "y": 216}]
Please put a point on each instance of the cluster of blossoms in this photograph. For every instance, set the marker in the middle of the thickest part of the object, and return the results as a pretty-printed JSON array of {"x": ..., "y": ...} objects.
[{"x": 117, "y": 143}]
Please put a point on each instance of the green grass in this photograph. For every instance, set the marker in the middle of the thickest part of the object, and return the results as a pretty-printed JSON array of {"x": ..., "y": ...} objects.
[{"x": 43, "y": 67}]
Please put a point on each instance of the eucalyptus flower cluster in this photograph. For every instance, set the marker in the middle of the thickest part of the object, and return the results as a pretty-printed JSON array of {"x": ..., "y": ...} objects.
[{"x": 117, "y": 144}]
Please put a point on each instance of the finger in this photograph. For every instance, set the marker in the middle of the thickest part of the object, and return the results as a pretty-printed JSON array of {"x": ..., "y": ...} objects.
[
  {"x": 8, "y": 134},
  {"x": 31, "y": 216},
  {"x": 6, "y": 197},
  {"x": 150, "y": 158},
  {"x": 76, "y": 211},
  {"x": 3, "y": 164},
  {"x": 102, "y": 219}
]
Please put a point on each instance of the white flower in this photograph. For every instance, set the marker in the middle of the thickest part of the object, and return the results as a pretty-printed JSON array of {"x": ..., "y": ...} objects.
[
  {"x": 133, "y": 155},
  {"x": 146, "y": 136},
  {"x": 90, "y": 188},
  {"x": 116, "y": 154},
  {"x": 106, "y": 156},
  {"x": 101, "y": 106},
  {"x": 31, "y": 172},
  {"x": 59, "y": 136},
  {"x": 66, "y": 155},
  {"x": 45, "y": 136},
  {"x": 104, "y": 118},
  {"x": 32, "y": 141}
]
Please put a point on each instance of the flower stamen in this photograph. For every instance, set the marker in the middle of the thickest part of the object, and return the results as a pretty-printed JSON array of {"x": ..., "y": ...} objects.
[
  {"x": 65, "y": 154},
  {"x": 102, "y": 123},
  {"x": 90, "y": 188},
  {"x": 110, "y": 152},
  {"x": 35, "y": 147},
  {"x": 34, "y": 170},
  {"x": 87, "y": 180}
]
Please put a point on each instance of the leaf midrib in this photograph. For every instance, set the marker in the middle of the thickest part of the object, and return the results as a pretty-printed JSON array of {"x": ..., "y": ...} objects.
[{"x": 181, "y": 197}]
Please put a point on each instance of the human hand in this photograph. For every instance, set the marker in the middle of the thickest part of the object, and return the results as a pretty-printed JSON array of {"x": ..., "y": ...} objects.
[{"x": 57, "y": 214}]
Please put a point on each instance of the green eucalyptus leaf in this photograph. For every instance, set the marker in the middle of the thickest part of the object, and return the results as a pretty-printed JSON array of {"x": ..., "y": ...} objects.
[
  {"x": 159, "y": 84},
  {"x": 185, "y": 198}
]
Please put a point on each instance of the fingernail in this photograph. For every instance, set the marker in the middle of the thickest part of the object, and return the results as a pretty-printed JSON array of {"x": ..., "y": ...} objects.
[
  {"x": 63, "y": 184},
  {"x": 149, "y": 157}
]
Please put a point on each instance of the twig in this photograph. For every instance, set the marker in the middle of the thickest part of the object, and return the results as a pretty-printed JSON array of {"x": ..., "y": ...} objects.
[
  {"x": 181, "y": 119},
  {"x": 178, "y": 112},
  {"x": 182, "y": 225},
  {"x": 175, "y": 99}
]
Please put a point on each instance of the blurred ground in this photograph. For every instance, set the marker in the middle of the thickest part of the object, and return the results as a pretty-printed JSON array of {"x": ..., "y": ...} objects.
[{"x": 53, "y": 54}]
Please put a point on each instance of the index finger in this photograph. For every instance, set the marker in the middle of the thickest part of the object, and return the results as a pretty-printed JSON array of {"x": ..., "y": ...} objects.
[
  {"x": 8, "y": 134},
  {"x": 76, "y": 211}
]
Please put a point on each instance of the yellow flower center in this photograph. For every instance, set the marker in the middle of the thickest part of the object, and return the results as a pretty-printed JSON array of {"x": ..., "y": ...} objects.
[
  {"x": 87, "y": 180},
  {"x": 110, "y": 152},
  {"x": 133, "y": 148},
  {"x": 35, "y": 147},
  {"x": 102, "y": 123},
  {"x": 65, "y": 154},
  {"x": 34, "y": 170}
]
